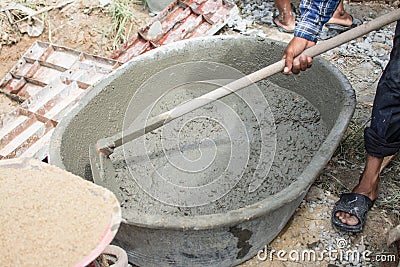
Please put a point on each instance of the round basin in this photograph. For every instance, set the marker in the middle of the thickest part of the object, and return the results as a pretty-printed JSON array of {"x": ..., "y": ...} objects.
[{"x": 303, "y": 118}]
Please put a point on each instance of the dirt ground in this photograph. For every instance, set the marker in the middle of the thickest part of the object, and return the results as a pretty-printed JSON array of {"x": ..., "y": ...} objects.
[{"x": 88, "y": 27}]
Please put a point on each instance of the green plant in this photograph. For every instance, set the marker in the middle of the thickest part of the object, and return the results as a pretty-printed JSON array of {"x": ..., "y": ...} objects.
[
  {"x": 123, "y": 21},
  {"x": 351, "y": 148}
]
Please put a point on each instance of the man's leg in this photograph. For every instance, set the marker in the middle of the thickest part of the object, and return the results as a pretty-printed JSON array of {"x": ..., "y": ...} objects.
[
  {"x": 382, "y": 138},
  {"x": 286, "y": 18},
  {"x": 341, "y": 17},
  {"x": 367, "y": 186}
]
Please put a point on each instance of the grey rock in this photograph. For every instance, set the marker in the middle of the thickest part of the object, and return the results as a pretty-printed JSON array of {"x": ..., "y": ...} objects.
[
  {"x": 364, "y": 45},
  {"x": 240, "y": 26},
  {"x": 267, "y": 20},
  {"x": 257, "y": 14},
  {"x": 379, "y": 37}
]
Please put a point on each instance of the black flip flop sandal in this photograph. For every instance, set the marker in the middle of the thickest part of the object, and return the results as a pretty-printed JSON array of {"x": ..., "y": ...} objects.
[
  {"x": 342, "y": 28},
  {"x": 355, "y": 204},
  {"x": 336, "y": 29}
]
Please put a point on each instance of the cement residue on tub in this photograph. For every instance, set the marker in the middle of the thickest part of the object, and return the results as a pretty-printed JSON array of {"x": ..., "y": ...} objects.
[{"x": 218, "y": 144}]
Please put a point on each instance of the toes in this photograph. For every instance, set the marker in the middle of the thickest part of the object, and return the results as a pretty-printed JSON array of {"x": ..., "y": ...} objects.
[
  {"x": 347, "y": 218},
  {"x": 339, "y": 214},
  {"x": 352, "y": 220}
]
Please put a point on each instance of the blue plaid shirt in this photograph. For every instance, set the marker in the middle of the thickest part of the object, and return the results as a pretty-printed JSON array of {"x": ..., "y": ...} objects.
[{"x": 314, "y": 14}]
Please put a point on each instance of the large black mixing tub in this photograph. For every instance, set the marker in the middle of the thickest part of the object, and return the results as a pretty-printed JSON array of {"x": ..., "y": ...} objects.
[{"x": 310, "y": 113}]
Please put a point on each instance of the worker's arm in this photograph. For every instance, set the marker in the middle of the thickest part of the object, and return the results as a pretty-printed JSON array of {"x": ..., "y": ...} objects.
[{"x": 314, "y": 14}]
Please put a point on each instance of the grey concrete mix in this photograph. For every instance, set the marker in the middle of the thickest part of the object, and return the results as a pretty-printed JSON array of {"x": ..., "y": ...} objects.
[{"x": 161, "y": 154}]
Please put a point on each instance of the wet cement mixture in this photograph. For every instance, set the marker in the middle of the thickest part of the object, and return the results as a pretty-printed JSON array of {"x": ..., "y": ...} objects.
[{"x": 192, "y": 157}]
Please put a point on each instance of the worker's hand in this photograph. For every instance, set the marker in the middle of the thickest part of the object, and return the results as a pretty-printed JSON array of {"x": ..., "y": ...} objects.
[{"x": 295, "y": 47}]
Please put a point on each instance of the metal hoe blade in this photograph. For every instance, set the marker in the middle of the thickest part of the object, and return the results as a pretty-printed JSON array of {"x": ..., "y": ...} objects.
[{"x": 102, "y": 169}]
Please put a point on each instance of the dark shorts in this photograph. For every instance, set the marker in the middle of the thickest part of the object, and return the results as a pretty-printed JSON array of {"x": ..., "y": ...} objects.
[{"x": 382, "y": 138}]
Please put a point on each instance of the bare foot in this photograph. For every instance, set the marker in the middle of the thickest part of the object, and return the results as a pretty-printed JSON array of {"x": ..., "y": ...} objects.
[
  {"x": 341, "y": 17},
  {"x": 286, "y": 21},
  {"x": 344, "y": 20},
  {"x": 367, "y": 186}
]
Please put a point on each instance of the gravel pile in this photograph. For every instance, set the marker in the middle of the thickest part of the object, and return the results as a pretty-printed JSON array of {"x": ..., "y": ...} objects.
[
  {"x": 374, "y": 47},
  {"x": 258, "y": 10}
]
